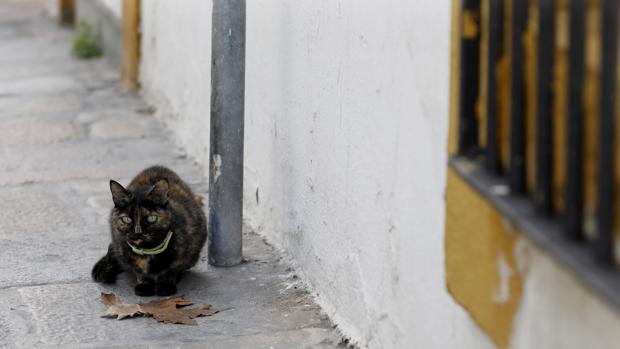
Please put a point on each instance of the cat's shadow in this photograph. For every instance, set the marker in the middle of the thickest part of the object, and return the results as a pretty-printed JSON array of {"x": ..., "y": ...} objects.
[
  {"x": 192, "y": 277},
  {"x": 190, "y": 282}
]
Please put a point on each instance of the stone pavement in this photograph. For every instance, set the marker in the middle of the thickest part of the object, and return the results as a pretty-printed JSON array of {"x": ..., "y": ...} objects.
[{"x": 66, "y": 129}]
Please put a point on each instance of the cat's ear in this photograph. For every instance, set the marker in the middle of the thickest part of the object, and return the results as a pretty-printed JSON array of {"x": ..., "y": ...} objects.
[
  {"x": 159, "y": 192},
  {"x": 120, "y": 195}
]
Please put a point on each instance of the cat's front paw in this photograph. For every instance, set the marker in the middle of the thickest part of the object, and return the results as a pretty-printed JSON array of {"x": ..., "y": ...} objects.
[
  {"x": 144, "y": 289},
  {"x": 165, "y": 289},
  {"x": 104, "y": 272}
]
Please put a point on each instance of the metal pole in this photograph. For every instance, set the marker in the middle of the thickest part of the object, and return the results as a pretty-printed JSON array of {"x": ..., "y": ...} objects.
[{"x": 227, "y": 111}]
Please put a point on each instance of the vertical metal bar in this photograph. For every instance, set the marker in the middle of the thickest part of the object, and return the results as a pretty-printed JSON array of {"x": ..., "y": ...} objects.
[
  {"x": 492, "y": 162},
  {"x": 603, "y": 243},
  {"x": 591, "y": 98},
  {"x": 530, "y": 94},
  {"x": 227, "y": 125},
  {"x": 574, "y": 167},
  {"x": 560, "y": 105},
  {"x": 469, "y": 77},
  {"x": 516, "y": 176},
  {"x": 543, "y": 195},
  {"x": 504, "y": 78}
]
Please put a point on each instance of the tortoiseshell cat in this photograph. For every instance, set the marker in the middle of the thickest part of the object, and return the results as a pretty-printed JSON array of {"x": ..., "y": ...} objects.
[{"x": 158, "y": 229}]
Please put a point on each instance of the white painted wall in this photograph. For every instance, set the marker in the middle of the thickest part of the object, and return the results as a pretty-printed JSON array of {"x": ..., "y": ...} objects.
[
  {"x": 346, "y": 125},
  {"x": 115, "y": 7},
  {"x": 175, "y": 68},
  {"x": 51, "y": 8},
  {"x": 558, "y": 312},
  {"x": 347, "y": 110}
]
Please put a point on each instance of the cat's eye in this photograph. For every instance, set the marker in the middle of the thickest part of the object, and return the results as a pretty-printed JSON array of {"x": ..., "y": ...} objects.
[
  {"x": 151, "y": 219},
  {"x": 126, "y": 219}
]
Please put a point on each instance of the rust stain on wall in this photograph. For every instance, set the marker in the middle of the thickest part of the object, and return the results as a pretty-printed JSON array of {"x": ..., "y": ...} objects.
[{"x": 481, "y": 270}]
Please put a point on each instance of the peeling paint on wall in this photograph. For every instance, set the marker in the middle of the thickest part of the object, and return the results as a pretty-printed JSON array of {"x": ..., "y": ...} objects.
[
  {"x": 217, "y": 168},
  {"x": 502, "y": 292}
]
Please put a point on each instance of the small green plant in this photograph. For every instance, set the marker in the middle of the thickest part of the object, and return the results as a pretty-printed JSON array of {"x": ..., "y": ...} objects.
[{"x": 85, "y": 43}]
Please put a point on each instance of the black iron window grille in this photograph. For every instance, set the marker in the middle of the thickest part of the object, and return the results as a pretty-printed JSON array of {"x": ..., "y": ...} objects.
[{"x": 538, "y": 125}]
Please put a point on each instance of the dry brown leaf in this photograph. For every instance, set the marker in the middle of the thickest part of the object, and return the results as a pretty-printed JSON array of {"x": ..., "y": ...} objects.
[
  {"x": 110, "y": 299},
  {"x": 185, "y": 316},
  {"x": 167, "y": 310},
  {"x": 159, "y": 305},
  {"x": 117, "y": 309},
  {"x": 122, "y": 311},
  {"x": 200, "y": 310}
]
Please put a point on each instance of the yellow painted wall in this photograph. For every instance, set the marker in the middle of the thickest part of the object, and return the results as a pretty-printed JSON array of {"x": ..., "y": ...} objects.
[{"x": 481, "y": 270}]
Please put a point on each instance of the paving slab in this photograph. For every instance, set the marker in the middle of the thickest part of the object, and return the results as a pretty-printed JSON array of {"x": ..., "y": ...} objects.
[
  {"x": 122, "y": 127},
  {"x": 33, "y": 130},
  {"x": 54, "y": 105},
  {"x": 89, "y": 159},
  {"x": 67, "y": 129}
]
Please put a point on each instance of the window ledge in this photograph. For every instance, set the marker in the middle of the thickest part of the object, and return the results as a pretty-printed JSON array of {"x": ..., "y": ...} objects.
[{"x": 546, "y": 233}]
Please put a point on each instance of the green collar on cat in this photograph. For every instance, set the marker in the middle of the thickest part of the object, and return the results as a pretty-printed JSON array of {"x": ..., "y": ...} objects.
[{"x": 152, "y": 251}]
